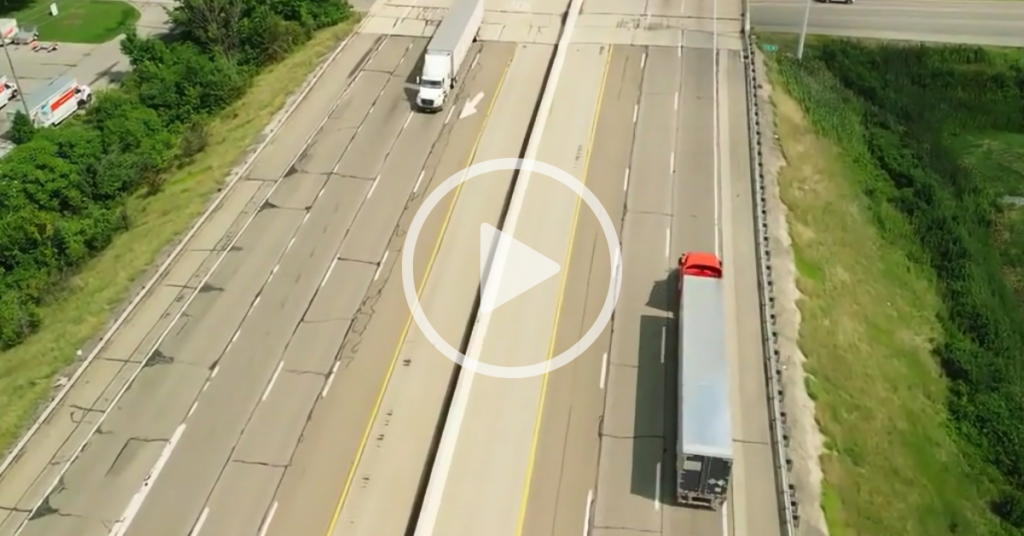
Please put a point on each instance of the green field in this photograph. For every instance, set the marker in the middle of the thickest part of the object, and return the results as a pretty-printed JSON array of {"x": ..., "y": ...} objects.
[
  {"x": 78, "y": 21},
  {"x": 899, "y": 158}
]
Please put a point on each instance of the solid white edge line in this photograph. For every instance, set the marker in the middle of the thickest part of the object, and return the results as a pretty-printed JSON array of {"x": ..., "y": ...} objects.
[
  {"x": 199, "y": 524},
  {"x": 449, "y": 116},
  {"x": 668, "y": 241},
  {"x": 725, "y": 518},
  {"x": 265, "y": 526},
  {"x": 636, "y": 111},
  {"x": 625, "y": 181},
  {"x": 235, "y": 176},
  {"x": 604, "y": 369},
  {"x": 121, "y": 525},
  {"x": 714, "y": 123},
  {"x": 643, "y": 60},
  {"x": 449, "y": 436},
  {"x": 273, "y": 380}
]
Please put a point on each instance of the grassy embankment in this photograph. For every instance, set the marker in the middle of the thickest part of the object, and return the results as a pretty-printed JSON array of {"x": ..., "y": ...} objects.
[
  {"x": 897, "y": 160},
  {"x": 27, "y": 371},
  {"x": 77, "y": 21}
]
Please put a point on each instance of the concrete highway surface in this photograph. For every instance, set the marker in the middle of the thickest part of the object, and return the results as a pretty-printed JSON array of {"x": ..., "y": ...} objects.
[
  {"x": 606, "y": 453},
  {"x": 290, "y": 392},
  {"x": 981, "y": 22},
  {"x": 592, "y": 447},
  {"x": 291, "y": 336}
]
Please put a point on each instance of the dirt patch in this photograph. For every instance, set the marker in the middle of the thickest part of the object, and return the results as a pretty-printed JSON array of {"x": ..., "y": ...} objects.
[{"x": 806, "y": 441}]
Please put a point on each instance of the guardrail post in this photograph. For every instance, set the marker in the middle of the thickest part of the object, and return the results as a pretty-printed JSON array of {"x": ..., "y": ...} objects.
[{"x": 773, "y": 376}]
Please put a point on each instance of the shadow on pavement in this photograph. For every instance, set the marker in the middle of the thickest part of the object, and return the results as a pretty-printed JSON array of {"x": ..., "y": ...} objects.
[{"x": 649, "y": 416}]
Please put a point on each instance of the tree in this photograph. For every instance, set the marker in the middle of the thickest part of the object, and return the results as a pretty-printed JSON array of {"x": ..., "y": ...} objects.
[{"x": 22, "y": 129}]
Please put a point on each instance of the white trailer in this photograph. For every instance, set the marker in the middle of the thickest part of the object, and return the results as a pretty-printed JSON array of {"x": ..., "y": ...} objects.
[
  {"x": 51, "y": 104},
  {"x": 446, "y": 52},
  {"x": 704, "y": 450},
  {"x": 8, "y": 91},
  {"x": 8, "y": 29}
]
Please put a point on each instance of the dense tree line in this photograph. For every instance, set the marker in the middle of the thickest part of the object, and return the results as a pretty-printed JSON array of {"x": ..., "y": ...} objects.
[
  {"x": 62, "y": 190},
  {"x": 915, "y": 102}
]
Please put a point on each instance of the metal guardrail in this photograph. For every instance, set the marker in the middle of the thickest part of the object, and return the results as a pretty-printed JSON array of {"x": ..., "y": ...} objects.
[{"x": 773, "y": 368}]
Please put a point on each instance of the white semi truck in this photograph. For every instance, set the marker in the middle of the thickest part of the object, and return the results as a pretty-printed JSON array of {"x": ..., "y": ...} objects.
[
  {"x": 51, "y": 104},
  {"x": 704, "y": 451},
  {"x": 446, "y": 52}
]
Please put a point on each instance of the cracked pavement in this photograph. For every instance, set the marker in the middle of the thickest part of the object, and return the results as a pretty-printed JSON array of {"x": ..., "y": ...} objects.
[{"x": 243, "y": 384}]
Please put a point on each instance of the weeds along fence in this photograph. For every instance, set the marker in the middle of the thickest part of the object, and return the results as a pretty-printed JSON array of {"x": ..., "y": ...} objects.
[{"x": 788, "y": 510}]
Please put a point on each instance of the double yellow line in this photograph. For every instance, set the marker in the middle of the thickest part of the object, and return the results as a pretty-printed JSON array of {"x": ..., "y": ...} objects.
[
  {"x": 408, "y": 323},
  {"x": 531, "y": 461}
]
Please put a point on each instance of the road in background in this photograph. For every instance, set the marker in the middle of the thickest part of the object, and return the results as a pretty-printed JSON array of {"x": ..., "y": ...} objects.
[
  {"x": 218, "y": 411},
  {"x": 980, "y": 22}
]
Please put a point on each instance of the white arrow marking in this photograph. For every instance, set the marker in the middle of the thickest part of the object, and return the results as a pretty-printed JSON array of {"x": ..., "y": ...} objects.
[{"x": 470, "y": 107}]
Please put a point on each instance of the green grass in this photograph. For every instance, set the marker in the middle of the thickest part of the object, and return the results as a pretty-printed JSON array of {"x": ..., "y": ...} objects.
[
  {"x": 79, "y": 21},
  {"x": 27, "y": 372},
  {"x": 998, "y": 158},
  {"x": 869, "y": 322}
]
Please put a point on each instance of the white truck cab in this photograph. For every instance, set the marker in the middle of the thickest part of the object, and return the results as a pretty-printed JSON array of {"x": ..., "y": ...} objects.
[
  {"x": 8, "y": 91},
  {"x": 446, "y": 52},
  {"x": 435, "y": 80}
]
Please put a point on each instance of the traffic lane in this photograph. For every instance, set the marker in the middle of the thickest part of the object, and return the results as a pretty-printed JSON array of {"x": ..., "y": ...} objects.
[
  {"x": 695, "y": 227},
  {"x": 206, "y": 480},
  {"x": 754, "y": 508},
  {"x": 309, "y": 496},
  {"x": 565, "y": 470},
  {"x": 397, "y": 177},
  {"x": 487, "y": 477},
  {"x": 390, "y": 469},
  {"x": 629, "y": 493},
  {"x": 973, "y": 22},
  {"x": 138, "y": 431},
  {"x": 27, "y": 480},
  {"x": 694, "y": 185}
]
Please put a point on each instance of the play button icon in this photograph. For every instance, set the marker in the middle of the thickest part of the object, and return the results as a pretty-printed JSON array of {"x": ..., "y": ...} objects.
[
  {"x": 511, "y": 267},
  {"x": 524, "y": 268}
]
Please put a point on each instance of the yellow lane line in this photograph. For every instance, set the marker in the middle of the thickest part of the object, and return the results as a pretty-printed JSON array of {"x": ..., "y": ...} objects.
[
  {"x": 408, "y": 323},
  {"x": 558, "y": 308}
]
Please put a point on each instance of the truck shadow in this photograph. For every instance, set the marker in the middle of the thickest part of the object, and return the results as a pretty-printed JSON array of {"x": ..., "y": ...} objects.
[
  {"x": 654, "y": 428},
  {"x": 411, "y": 87},
  {"x": 657, "y": 393},
  {"x": 663, "y": 294}
]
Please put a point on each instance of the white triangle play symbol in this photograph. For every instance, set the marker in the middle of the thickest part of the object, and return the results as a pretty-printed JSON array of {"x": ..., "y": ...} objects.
[{"x": 524, "y": 268}]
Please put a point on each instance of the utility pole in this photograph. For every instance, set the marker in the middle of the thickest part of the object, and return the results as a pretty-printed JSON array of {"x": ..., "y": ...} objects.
[
  {"x": 803, "y": 31},
  {"x": 17, "y": 82}
]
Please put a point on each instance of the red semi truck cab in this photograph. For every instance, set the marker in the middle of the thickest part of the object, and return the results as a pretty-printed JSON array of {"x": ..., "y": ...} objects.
[{"x": 698, "y": 263}]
